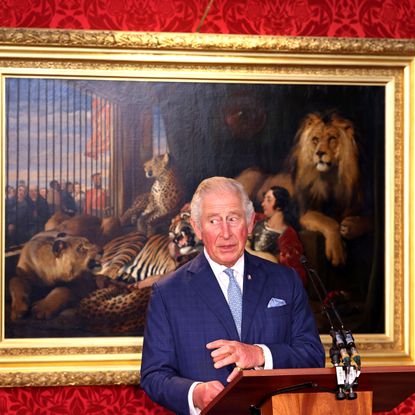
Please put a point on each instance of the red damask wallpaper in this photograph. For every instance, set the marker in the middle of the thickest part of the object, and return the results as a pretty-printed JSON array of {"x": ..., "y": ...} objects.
[
  {"x": 80, "y": 400},
  {"x": 99, "y": 400},
  {"x": 339, "y": 18}
]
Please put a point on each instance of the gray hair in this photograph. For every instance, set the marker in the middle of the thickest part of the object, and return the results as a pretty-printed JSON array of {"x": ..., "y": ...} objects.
[{"x": 219, "y": 184}]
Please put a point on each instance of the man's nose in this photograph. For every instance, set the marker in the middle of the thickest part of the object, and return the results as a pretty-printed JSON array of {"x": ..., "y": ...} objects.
[{"x": 225, "y": 229}]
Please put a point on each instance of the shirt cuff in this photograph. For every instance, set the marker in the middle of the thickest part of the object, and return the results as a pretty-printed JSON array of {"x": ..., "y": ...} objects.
[
  {"x": 267, "y": 357},
  {"x": 192, "y": 409}
]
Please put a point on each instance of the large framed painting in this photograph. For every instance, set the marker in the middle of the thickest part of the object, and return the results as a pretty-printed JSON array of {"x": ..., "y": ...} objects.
[{"x": 106, "y": 135}]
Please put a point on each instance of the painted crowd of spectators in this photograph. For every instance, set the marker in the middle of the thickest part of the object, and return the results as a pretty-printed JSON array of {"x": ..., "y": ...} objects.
[{"x": 28, "y": 208}]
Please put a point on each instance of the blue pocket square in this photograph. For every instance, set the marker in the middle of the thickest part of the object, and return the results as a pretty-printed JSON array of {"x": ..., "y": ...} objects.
[{"x": 276, "y": 302}]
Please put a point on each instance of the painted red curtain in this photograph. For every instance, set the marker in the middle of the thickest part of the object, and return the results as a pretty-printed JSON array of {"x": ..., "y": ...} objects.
[{"x": 100, "y": 140}]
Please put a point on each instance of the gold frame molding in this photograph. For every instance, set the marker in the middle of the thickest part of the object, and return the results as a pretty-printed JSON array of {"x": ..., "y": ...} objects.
[{"x": 234, "y": 58}]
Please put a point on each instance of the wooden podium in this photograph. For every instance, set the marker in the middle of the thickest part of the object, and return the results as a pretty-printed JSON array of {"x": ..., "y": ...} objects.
[{"x": 379, "y": 389}]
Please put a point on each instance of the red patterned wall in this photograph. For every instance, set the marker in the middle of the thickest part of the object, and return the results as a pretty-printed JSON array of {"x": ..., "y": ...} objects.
[{"x": 340, "y": 18}]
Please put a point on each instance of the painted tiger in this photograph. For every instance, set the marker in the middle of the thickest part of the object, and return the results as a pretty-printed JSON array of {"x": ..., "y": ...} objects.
[
  {"x": 153, "y": 259},
  {"x": 122, "y": 308},
  {"x": 163, "y": 254},
  {"x": 186, "y": 245},
  {"x": 121, "y": 251}
]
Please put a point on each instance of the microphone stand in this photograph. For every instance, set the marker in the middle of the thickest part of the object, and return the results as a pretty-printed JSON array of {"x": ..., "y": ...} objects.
[{"x": 343, "y": 352}]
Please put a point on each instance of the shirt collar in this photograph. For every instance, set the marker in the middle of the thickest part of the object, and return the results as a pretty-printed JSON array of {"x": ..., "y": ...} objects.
[{"x": 217, "y": 269}]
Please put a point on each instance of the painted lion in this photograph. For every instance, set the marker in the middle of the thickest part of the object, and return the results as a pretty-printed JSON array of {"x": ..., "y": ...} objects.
[
  {"x": 54, "y": 270},
  {"x": 325, "y": 179}
]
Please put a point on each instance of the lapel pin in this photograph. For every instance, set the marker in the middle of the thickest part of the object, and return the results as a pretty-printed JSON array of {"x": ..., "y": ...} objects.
[{"x": 249, "y": 277}]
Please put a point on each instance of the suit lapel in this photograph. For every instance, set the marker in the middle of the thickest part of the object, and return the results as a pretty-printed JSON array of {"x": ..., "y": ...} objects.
[
  {"x": 207, "y": 287},
  {"x": 254, "y": 283}
]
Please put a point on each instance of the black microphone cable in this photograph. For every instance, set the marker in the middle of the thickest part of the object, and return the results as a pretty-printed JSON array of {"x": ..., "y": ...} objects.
[
  {"x": 315, "y": 278},
  {"x": 343, "y": 352}
]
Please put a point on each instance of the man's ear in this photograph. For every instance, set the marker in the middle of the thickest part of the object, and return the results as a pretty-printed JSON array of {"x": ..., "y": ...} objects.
[
  {"x": 196, "y": 229},
  {"x": 251, "y": 223}
]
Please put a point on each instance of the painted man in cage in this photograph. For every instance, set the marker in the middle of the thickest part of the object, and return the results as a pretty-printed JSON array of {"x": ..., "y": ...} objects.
[{"x": 96, "y": 197}]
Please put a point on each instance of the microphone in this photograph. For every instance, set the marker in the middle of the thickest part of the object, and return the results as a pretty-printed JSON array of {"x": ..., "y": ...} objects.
[
  {"x": 351, "y": 347},
  {"x": 338, "y": 340},
  {"x": 335, "y": 360},
  {"x": 343, "y": 352},
  {"x": 346, "y": 373}
]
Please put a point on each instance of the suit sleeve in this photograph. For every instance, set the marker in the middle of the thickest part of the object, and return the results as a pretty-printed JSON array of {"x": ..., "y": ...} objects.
[
  {"x": 304, "y": 347},
  {"x": 159, "y": 368}
]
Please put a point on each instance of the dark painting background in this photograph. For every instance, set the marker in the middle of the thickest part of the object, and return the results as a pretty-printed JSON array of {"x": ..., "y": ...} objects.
[{"x": 208, "y": 129}]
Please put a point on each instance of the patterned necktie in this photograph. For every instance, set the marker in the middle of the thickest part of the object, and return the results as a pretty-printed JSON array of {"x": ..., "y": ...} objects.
[{"x": 234, "y": 299}]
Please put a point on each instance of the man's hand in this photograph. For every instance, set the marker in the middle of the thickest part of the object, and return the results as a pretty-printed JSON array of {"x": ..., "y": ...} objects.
[
  {"x": 243, "y": 356},
  {"x": 204, "y": 393}
]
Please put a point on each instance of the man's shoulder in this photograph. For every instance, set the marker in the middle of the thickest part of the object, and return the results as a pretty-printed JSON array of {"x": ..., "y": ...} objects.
[
  {"x": 268, "y": 268},
  {"x": 183, "y": 273},
  {"x": 257, "y": 261}
]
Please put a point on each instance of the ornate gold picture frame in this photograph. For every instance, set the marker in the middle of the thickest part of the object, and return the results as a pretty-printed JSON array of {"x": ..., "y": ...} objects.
[{"x": 387, "y": 66}]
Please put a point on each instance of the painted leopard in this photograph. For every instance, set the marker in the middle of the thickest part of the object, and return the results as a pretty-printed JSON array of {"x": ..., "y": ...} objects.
[
  {"x": 116, "y": 310},
  {"x": 163, "y": 199},
  {"x": 131, "y": 214}
]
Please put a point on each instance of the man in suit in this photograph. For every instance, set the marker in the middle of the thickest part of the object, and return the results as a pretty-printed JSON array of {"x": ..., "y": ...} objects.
[{"x": 195, "y": 342}]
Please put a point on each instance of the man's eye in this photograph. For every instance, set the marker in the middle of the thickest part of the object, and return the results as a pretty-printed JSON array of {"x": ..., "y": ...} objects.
[{"x": 214, "y": 221}]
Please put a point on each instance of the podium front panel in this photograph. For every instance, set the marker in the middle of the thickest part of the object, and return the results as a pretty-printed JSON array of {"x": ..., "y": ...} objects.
[{"x": 391, "y": 385}]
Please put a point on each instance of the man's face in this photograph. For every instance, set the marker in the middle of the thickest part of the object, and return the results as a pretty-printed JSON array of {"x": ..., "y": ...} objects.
[
  {"x": 33, "y": 193},
  {"x": 97, "y": 181},
  {"x": 11, "y": 192},
  {"x": 21, "y": 192},
  {"x": 223, "y": 227}
]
